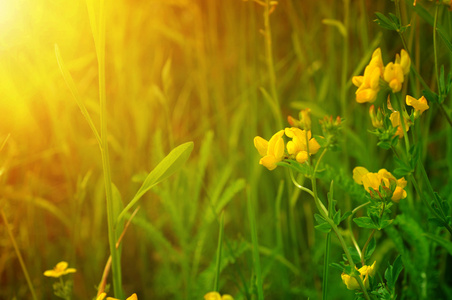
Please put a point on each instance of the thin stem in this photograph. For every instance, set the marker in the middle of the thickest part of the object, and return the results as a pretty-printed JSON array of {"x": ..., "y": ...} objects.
[
  {"x": 103, "y": 281},
  {"x": 435, "y": 55},
  {"x": 432, "y": 195},
  {"x": 349, "y": 222},
  {"x": 219, "y": 250},
  {"x": 402, "y": 112},
  {"x": 324, "y": 214},
  {"x": 294, "y": 181},
  {"x": 371, "y": 236},
  {"x": 326, "y": 263},
  {"x": 270, "y": 64},
  {"x": 19, "y": 256},
  {"x": 255, "y": 248},
  {"x": 116, "y": 263}
]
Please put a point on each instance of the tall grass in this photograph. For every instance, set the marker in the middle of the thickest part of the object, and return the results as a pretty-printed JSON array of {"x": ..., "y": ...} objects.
[{"x": 217, "y": 73}]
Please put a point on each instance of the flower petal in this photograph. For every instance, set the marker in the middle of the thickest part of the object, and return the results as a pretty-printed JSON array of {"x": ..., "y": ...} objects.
[
  {"x": 261, "y": 145},
  {"x": 358, "y": 174}
]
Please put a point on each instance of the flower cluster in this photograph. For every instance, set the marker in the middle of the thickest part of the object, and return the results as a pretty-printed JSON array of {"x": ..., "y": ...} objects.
[
  {"x": 299, "y": 148},
  {"x": 373, "y": 183},
  {"x": 395, "y": 127},
  {"x": 217, "y": 296},
  {"x": 393, "y": 74},
  {"x": 103, "y": 295},
  {"x": 364, "y": 273}
]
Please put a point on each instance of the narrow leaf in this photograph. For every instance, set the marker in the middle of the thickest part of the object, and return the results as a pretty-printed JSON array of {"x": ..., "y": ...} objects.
[{"x": 168, "y": 166}]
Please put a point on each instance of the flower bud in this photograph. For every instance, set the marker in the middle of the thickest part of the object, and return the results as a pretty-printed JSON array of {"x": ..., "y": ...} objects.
[{"x": 377, "y": 119}]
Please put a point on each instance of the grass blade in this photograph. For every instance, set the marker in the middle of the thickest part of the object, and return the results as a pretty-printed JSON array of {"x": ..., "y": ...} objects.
[
  {"x": 255, "y": 250},
  {"x": 169, "y": 165},
  {"x": 219, "y": 249}
]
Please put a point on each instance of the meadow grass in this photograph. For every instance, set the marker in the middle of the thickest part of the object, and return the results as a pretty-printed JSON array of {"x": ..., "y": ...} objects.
[{"x": 86, "y": 125}]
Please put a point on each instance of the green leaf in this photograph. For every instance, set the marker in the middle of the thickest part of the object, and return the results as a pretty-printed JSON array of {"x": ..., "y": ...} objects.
[
  {"x": 442, "y": 87},
  {"x": 319, "y": 219},
  {"x": 370, "y": 249},
  {"x": 414, "y": 156},
  {"x": 337, "y": 217},
  {"x": 295, "y": 165},
  {"x": 355, "y": 257},
  {"x": 445, "y": 243},
  {"x": 385, "y": 223},
  {"x": 443, "y": 36},
  {"x": 168, "y": 166},
  {"x": 399, "y": 172},
  {"x": 385, "y": 22},
  {"x": 389, "y": 278},
  {"x": 430, "y": 96},
  {"x": 384, "y": 145},
  {"x": 345, "y": 216},
  {"x": 365, "y": 222},
  {"x": 337, "y": 266},
  {"x": 321, "y": 140},
  {"x": 324, "y": 227},
  {"x": 436, "y": 222},
  {"x": 397, "y": 268}
]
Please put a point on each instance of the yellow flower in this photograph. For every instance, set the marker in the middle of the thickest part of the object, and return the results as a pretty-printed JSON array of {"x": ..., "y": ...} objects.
[
  {"x": 59, "y": 270},
  {"x": 394, "y": 72},
  {"x": 272, "y": 151},
  {"x": 102, "y": 296},
  {"x": 298, "y": 146},
  {"x": 395, "y": 121},
  {"x": 373, "y": 180},
  {"x": 369, "y": 84},
  {"x": 305, "y": 118},
  {"x": 217, "y": 296},
  {"x": 364, "y": 273},
  {"x": 394, "y": 76},
  {"x": 403, "y": 61},
  {"x": 419, "y": 106}
]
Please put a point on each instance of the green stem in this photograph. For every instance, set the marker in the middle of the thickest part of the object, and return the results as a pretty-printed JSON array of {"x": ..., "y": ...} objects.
[
  {"x": 326, "y": 263},
  {"x": 435, "y": 55},
  {"x": 352, "y": 237},
  {"x": 270, "y": 64},
  {"x": 116, "y": 263},
  {"x": 255, "y": 249},
  {"x": 402, "y": 112},
  {"x": 19, "y": 256},
  {"x": 219, "y": 250},
  {"x": 330, "y": 221},
  {"x": 432, "y": 195}
]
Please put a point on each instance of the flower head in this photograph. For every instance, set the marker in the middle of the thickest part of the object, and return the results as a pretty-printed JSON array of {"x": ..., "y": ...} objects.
[
  {"x": 377, "y": 118},
  {"x": 420, "y": 105},
  {"x": 103, "y": 295},
  {"x": 364, "y": 273},
  {"x": 298, "y": 146},
  {"x": 373, "y": 181},
  {"x": 59, "y": 270},
  {"x": 369, "y": 84},
  {"x": 394, "y": 76},
  {"x": 394, "y": 72},
  {"x": 271, "y": 151},
  {"x": 396, "y": 123},
  {"x": 217, "y": 296},
  {"x": 304, "y": 122}
]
